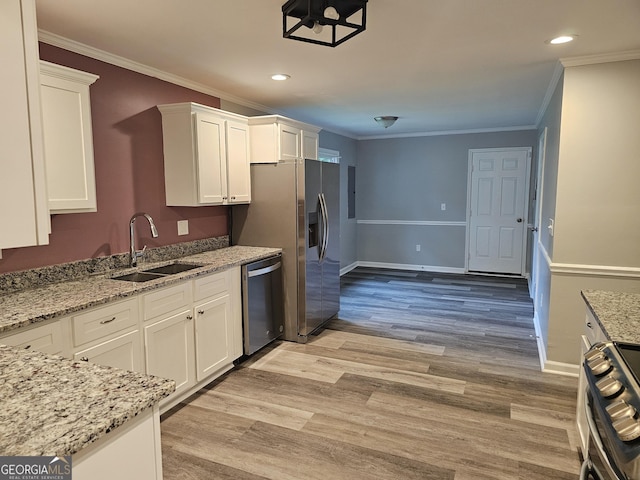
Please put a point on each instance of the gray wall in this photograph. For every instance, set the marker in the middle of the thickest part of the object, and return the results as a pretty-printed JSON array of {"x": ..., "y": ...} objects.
[
  {"x": 597, "y": 199},
  {"x": 400, "y": 185},
  {"x": 348, "y": 228},
  {"x": 547, "y": 190}
]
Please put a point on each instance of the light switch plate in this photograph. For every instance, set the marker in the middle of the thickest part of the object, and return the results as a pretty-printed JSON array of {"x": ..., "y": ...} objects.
[
  {"x": 550, "y": 227},
  {"x": 183, "y": 227},
  {"x": 443, "y": 206}
]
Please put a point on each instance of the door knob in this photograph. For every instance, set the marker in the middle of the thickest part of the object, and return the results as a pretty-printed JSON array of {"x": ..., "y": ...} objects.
[{"x": 519, "y": 220}]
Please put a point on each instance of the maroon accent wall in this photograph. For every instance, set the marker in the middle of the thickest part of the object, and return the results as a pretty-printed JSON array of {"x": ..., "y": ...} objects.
[{"x": 127, "y": 142}]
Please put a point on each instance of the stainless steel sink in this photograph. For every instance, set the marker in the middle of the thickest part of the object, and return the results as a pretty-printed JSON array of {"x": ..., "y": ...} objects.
[
  {"x": 172, "y": 268},
  {"x": 138, "y": 277},
  {"x": 157, "y": 272}
]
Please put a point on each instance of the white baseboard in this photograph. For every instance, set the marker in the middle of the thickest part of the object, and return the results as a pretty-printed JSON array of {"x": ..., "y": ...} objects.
[
  {"x": 348, "y": 268},
  {"x": 559, "y": 368},
  {"x": 410, "y": 267}
]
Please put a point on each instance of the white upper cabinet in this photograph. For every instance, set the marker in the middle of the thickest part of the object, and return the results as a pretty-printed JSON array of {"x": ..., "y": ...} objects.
[
  {"x": 275, "y": 138},
  {"x": 206, "y": 156},
  {"x": 68, "y": 138},
  {"x": 24, "y": 215}
]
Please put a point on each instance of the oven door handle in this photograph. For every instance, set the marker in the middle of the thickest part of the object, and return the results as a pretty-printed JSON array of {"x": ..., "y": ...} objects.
[{"x": 595, "y": 435}]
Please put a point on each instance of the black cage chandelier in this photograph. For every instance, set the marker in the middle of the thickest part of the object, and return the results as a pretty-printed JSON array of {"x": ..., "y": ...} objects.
[{"x": 325, "y": 22}]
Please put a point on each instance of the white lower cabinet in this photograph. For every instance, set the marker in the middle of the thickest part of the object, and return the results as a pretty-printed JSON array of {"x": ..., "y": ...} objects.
[
  {"x": 44, "y": 338},
  {"x": 169, "y": 350},
  {"x": 133, "y": 450},
  {"x": 593, "y": 333},
  {"x": 191, "y": 331},
  {"x": 214, "y": 337},
  {"x": 109, "y": 335},
  {"x": 121, "y": 352}
]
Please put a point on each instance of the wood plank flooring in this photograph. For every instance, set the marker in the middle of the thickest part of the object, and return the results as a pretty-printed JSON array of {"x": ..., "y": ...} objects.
[{"x": 420, "y": 376}]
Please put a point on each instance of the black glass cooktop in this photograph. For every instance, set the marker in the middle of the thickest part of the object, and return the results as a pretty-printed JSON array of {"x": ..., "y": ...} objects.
[{"x": 631, "y": 354}]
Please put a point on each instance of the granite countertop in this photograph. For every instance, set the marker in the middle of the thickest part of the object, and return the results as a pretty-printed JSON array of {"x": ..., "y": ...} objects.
[
  {"x": 617, "y": 312},
  {"x": 71, "y": 404},
  {"x": 56, "y": 300}
]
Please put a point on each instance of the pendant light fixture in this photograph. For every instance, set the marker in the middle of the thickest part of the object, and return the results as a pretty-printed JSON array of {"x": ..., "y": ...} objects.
[{"x": 325, "y": 22}]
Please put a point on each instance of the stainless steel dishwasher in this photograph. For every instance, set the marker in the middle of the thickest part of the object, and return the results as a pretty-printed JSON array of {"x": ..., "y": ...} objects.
[{"x": 262, "y": 303}]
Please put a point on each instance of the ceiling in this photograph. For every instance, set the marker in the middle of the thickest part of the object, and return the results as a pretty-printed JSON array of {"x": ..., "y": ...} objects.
[{"x": 439, "y": 65}]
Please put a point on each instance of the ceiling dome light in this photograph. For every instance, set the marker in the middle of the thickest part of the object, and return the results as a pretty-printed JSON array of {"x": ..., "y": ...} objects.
[
  {"x": 386, "y": 121},
  {"x": 562, "y": 39},
  {"x": 280, "y": 77}
]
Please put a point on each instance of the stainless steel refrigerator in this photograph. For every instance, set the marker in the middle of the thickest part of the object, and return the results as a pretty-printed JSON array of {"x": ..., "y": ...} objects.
[{"x": 295, "y": 205}]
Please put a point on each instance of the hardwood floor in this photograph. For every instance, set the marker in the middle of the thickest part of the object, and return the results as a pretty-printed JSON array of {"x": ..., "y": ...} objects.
[{"x": 420, "y": 376}]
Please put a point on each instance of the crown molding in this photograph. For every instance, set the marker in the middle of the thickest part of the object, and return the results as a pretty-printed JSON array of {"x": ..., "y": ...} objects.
[
  {"x": 600, "y": 58},
  {"x": 558, "y": 70},
  {"x": 438, "y": 133},
  {"x": 97, "y": 54}
]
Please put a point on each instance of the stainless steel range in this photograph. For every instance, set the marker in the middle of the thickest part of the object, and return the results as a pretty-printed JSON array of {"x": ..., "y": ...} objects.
[{"x": 612, "y": 409}]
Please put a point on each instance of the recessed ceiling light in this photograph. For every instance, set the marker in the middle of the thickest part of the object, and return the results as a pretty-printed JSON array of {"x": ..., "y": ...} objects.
[
  {"x": 280, "y": 77},
  {"x": 562, "y": 39}
]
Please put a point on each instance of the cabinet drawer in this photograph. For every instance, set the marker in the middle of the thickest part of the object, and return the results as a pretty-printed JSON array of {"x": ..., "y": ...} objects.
[
  {"x": 104, "y": 321},
  {"x": 211, "y": 285},
  {"x": 45, "y": 338},
  {"x": 161, "y": 302}
]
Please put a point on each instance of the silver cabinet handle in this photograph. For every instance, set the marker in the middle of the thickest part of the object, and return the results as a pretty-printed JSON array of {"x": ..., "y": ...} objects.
[
  {"x": 27, "y": 347},
  {"x": 84, "y": 359},
  {"x": 589, "y": 325},
  {"x": 189, "y": 317},
  {"x": 200, "y": 312},
  {"x": 104, "y": 322}
]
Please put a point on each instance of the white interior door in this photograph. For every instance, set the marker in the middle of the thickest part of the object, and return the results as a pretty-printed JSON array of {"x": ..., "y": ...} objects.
[{"x": 497, "y": 209}]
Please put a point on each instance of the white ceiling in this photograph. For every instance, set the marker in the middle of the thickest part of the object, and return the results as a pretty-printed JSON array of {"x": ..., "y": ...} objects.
[{"x": 439, "y": 65}]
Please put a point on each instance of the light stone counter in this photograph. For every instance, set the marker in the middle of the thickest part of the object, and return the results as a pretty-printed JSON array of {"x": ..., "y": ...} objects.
[
  {"x": 53, "y": 406},
  {"x": 618, "y": 314},
  {"x": 35, "y": 305}
]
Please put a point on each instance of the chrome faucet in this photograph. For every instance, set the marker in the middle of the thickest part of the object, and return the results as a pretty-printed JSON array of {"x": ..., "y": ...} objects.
[{"x": 136, "y": 254}]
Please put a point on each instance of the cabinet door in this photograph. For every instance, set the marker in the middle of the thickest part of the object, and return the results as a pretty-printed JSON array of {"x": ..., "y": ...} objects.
[
  {"x": 309, "y": 145},
  {"x": 290, "y": 142},
  {"x": 23, "y": 202},
  {"x": 121, "y": 352},
  {"x": 169, "y": 349},
  {"x": 581, "y": 416},
  {"x": 46, "y": 338},
  {"x": 238, "y": 162},
  {"x": 214, "y": 336},
  {"x": 68, "y": 139},
  {"x": 211, "y": 159}
]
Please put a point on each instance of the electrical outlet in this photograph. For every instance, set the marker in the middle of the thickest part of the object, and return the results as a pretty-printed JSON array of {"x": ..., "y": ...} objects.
[
  {"x": 417, "y": 248},
  {"x": 443, "y": 206},
  {"x": 183, "y": 227}
]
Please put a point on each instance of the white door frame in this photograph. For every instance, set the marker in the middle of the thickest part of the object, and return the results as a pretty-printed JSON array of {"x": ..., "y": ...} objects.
[
  {"x": 526, "y": 199},
  {"x": 535, "y": 251}
]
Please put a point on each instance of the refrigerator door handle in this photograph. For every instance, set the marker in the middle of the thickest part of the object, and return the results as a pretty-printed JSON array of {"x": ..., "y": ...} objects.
[
  {"x": 320, "y": 213},
  {"x": 325, "y": 226}
]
